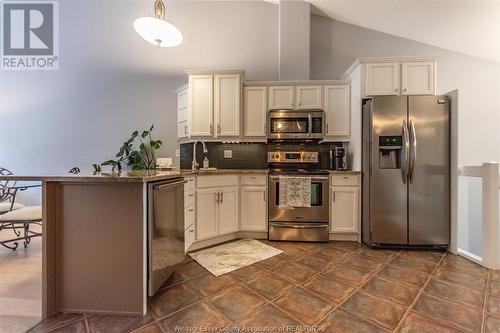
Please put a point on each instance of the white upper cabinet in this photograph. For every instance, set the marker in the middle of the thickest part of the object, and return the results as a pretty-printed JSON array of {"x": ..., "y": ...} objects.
[
  {"x": 254, "y": 111},
  {"x": 396, "y": 75},
  {"x": 417, "y": 78},
  {"x": 281, "y": 97},
  {"x": 382, "y": 79},
  {"x": 308, "y": 97},
  {"x": 200, "y": 104},
  {"x": 227, "y": 104},
  {"x": 337, "y": 110},
  {"x": 182, "y": 104}
]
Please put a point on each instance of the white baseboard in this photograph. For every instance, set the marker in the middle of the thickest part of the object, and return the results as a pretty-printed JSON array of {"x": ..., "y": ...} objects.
[
  {"x": 470, "y": 256},
  {"x": 225, "y": 238},
  {"x": 345, "y": 237},
  {"x": 260, "y": 235}
]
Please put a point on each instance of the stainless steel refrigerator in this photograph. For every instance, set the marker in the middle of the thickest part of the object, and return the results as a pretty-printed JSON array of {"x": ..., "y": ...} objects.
[{"x": 406, "y": 171}]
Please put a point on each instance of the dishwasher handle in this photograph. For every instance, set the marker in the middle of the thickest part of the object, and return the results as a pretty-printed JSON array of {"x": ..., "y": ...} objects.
[{"x": 169, "y": 185}]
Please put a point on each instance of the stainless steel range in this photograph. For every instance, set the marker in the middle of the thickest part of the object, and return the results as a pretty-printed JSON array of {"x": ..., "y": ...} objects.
[{"x": 298, "y": 223}]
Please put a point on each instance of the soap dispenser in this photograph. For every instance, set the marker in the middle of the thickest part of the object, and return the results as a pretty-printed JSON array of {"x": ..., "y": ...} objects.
[{"x": 205, "y": 163}]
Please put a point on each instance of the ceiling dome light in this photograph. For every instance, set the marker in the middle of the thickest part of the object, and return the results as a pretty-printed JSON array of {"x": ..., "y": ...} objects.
[{"x": 156, "y": 30}]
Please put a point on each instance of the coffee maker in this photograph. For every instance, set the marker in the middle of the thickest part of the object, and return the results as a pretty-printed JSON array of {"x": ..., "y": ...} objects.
[{"x": 338, "y": 159}]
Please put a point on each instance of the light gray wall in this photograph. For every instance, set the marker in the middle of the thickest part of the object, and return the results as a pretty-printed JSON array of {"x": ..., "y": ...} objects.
[
  {"x": 111, "y": 81},
  {"x": 335, "y": 45},
  {"x": 294, "y": 35}
]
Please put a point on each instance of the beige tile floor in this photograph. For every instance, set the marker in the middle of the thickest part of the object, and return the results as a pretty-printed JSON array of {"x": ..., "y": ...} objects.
[{"x": 20, "y": 285}]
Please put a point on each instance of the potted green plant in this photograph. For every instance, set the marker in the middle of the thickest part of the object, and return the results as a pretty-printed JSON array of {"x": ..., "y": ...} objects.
[{"x": 139, "y": 155}]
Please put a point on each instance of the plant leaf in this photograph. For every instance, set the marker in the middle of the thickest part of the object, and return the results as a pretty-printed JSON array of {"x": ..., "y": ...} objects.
[
  {"x": 151, "y": 128},
  {"x": 144, "y": 134}
]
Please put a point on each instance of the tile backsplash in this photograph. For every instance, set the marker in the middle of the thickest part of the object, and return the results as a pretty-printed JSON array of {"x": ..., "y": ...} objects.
[{"x": 246, "y": 155}]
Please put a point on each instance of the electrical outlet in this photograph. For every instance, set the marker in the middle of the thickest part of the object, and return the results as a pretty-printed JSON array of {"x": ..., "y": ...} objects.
[
  {"x": 177, "y": 153},
  {"x": 228, "y": 153}
]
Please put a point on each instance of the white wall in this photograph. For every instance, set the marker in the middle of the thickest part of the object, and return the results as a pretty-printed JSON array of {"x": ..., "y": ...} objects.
[
  {"x": 294, "y": 35},
  {"x": 335, "y": 45},
  {"x": 111, "y": 81}
]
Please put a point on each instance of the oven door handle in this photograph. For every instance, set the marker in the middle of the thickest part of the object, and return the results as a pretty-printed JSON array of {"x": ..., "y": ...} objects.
[
  {"x": 315, "y": 226},
  {"x": 313, "y": 178}
]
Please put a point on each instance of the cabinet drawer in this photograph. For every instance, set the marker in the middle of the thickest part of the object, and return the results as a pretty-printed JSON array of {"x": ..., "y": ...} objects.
[
  {"x": 188, "y": 199},
  {"x": 344, "y": 180},
  {"x": 253, "y": 180},
  {"x": 217, "y": 181},
  {"x": 189, "y": 235},
  {"x": 190, "y": 185},
  {"x": 189, "y": 217}
]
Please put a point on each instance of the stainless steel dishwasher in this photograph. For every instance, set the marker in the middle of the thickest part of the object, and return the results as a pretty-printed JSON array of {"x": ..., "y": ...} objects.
[{"x": 165, "y": 230}]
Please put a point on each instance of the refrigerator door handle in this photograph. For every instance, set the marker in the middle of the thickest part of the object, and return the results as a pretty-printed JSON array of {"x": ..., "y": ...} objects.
[
  {"x": 405, "y": 153},
  {"x": 413, "y": 150}
]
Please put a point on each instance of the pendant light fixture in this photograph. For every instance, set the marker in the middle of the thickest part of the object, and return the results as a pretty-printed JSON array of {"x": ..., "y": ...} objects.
[{"x": 156, "y": 30}]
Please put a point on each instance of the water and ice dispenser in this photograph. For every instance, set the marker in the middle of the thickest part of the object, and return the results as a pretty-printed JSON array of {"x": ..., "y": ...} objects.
[{"x": 389, "y": 150}]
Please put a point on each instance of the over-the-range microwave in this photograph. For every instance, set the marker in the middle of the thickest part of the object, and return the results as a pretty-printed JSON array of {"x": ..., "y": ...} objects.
[{"x": 295, "y": 124}]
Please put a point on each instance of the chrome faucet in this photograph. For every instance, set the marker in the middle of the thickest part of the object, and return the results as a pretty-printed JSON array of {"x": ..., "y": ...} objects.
[{"x": 195, "y": 165}]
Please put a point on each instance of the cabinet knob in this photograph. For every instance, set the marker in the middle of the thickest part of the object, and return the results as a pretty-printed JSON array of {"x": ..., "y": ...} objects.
[
  {"x": 191, "y": 230},
  {"x": 191, "y": 210},
  {"x": 404, "y": 89},
  {"x": 395, "y": 89}
]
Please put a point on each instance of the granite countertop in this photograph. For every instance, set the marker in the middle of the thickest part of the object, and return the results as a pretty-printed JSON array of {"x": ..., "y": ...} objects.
[{"x": 139, "y": 176}]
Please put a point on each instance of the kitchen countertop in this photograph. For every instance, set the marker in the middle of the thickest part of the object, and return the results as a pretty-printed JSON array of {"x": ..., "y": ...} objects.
[
  {"x": 141, "y": 176},
  {"x": 128, "y": 176}
]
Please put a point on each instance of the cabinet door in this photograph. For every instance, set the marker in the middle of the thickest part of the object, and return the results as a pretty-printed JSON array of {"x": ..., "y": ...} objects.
[
  {"x": 189, "y": 235},
  {"x": 382, "y": 79},
  {"x": 338, "y": 110},
  {"x": 228, "y": 210},
  {"x": 253, "y": 208},
  {"x": 206, "y": 213},
  {"x": 281, "y": 97},
  {"x": 182, "y": 130},
  {"x": 200, "y": 106},
  {"x": 308, "y": 97},
  {"x": 418, "y": 78},
  {"x": 254, "y": 111},
  {"x": 227, "y": 105},
  {"x": 182, "y": 104},
  {"x": 345, "y": 206}
]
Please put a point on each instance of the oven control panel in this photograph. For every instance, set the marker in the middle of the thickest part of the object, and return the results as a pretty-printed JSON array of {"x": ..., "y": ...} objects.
[{"x": 292, "y": 157}]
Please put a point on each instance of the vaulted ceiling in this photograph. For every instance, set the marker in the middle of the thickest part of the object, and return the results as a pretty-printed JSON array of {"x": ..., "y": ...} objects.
[{"x": 471, "y": 27}]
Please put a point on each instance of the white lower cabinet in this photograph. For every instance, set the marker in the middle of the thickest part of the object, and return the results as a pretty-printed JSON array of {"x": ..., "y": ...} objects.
[
  {"x": 228, "y": 210},
  {"x": 207, "y": 212},
  {"x": 345, "y": 205},
  {"x": 253, "y": 208},
  {"x": 216, "y": 211},
  {"x": 189, "y": 237}
]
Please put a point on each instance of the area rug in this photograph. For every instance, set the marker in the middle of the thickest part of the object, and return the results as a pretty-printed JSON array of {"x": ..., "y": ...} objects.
[{"x": 229, "y": 257}]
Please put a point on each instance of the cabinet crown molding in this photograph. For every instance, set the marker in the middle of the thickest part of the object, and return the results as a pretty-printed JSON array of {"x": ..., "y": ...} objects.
[
  {"x": 178, "y": 90},
  {"x": 367, "y": 60},
  {"x": 215, "y": 71},
  {"x": 296, "y": 83}
]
